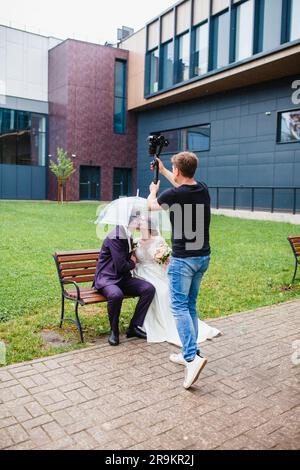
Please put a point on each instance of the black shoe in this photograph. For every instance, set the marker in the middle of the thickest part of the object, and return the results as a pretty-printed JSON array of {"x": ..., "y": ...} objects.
[
  {"x": 113, "y": 339},
  {"x": 136, "y": 332}
]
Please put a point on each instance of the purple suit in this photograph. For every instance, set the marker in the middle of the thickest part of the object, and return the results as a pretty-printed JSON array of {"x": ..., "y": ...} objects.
[{"x": 113, "y": 279}]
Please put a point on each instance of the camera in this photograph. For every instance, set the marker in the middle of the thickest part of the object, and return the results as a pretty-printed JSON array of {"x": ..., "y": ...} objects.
[{"x": 156, "y": 144}]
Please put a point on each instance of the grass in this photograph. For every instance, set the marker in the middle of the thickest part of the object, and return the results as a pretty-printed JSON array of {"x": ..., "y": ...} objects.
[{"x": 252, "y": 266}]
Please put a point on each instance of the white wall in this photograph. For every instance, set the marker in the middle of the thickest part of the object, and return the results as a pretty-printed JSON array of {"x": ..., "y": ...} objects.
[{"x": 24, "y": 64}]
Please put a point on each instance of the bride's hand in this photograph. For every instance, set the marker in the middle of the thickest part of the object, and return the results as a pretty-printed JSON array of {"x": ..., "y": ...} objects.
[{"x": 134, "y": 258}]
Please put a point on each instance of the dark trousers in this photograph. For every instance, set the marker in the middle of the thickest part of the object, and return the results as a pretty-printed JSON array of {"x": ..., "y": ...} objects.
[{"x": 116, "y": 293}]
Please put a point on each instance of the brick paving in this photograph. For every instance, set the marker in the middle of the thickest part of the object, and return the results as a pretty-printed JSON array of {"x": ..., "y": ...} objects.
[{"x": 131, "y": 397}]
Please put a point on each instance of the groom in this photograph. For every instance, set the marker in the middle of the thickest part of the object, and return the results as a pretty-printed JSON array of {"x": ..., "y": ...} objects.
[
  {"x": 113, "y": 279},
  {"x": 189, "y": 206}
]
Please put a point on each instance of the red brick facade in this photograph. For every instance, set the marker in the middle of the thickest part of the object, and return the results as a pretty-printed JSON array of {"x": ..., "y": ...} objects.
[{"x": 81, "y": 109}]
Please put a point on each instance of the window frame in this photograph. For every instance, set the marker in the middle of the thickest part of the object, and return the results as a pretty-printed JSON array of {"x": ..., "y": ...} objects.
[
  {"x": 19, "y": 131},
  {"x": 233, "y": 34},
  {"x": 123, "y": 98},
  {"x": 186, "y": 128},
  {"x": 279, "y": 122},
  {"x": 161, "y": 64},
  {"x": 193, "y": 47},
  {"x": 256, "y": 54},
  {"x": 213, "y": 46},
  {"x": 176, "y": 57},
  {"x": 148, "y": 70}
]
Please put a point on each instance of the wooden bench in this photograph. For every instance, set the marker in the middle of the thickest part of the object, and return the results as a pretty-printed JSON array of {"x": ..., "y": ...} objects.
[
  {"x": 295, "y": 244},
  {"x": 75, "y": 268}
]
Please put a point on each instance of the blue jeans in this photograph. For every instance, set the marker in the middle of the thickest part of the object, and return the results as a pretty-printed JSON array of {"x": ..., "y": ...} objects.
[{"x": 185, "y": 276}]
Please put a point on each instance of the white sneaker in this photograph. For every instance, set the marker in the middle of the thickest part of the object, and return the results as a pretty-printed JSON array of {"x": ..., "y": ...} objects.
[
  {"x": 178, "y": 359},
  {"x": 193, "y": 370}
]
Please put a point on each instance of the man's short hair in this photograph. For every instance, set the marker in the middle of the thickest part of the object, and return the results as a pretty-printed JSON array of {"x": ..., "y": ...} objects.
[{"x": 186, "y": 163}]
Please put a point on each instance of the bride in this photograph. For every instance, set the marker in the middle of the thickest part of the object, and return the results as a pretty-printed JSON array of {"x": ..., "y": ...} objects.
[{"x": 160, "y": 324}]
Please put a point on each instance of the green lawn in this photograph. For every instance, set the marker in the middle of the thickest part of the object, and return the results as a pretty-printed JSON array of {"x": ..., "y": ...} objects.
[{"x": 252, "y": 265}]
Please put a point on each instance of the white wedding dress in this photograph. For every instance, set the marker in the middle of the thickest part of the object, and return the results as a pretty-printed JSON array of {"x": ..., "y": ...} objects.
[{"x": 160, "y": 324}]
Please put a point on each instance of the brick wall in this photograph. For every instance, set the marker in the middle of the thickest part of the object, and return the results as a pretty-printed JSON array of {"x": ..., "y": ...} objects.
[{"x": 81, "y": 107}]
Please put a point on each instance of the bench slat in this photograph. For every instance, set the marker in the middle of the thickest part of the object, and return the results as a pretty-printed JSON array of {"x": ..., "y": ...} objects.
[
  {"x": 77, "y": 273},
  {"x": 94, "y": 300},
  {"x": 75, "y": 258},
  {"x": 294, "y": 239},
  {"x": 77, "y": 252},
  {"x": 72, "y": 265},
  {"x": 79, "y": 279}
]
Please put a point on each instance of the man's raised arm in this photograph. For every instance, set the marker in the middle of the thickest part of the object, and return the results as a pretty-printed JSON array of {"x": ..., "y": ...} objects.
[
  {"x": 152, "y": 199},
  {"x": 166, "y": 173}
]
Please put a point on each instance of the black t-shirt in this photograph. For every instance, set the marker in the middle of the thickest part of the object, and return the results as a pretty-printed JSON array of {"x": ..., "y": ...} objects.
[{"x": 190, "y": 216}]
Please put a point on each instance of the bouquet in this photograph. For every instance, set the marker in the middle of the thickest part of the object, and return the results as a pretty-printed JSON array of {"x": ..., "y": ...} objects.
[{"x": 163, "y": 254}]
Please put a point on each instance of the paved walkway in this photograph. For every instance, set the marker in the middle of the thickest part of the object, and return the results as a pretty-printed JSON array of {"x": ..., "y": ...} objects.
[{"x": 131, "y": 397}]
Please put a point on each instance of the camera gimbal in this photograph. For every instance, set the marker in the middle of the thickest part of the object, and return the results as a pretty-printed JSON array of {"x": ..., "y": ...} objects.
[{"x": 156, "y": 144}]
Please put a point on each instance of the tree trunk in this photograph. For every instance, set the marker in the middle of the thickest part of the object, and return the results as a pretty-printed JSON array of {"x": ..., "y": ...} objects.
[{"x": 62, "y": 193}]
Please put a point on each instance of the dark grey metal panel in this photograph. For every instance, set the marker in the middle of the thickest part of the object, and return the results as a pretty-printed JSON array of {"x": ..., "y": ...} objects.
[
  {"x": 38, "y": 183},
  {"x": 244, "y": 150},
  {"x": 9, "y": 182},
  {"x": 23, "y": 183}
]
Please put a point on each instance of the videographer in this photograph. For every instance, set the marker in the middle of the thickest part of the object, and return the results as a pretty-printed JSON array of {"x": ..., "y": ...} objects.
[{"x": 189, "y": 205}]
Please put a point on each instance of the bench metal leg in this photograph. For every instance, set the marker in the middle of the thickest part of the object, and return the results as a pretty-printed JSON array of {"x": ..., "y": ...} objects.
[
  {"x": 62, "y": 311},
  {"x": 78, "y": 323},
  {"x": 295, "y": 273}
]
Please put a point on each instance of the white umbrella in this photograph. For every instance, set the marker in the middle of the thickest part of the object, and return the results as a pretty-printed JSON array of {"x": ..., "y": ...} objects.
[{"x": 119, "y": 212}]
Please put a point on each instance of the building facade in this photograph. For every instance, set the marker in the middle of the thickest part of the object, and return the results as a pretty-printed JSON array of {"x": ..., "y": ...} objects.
[
  {"x": 23, "y": 114},
  {"x": 68, "y": 94},
  {"x": 88, "y": 117},
  {"x": 221, "y": 78},
  {"x": 217, "y": 77}
]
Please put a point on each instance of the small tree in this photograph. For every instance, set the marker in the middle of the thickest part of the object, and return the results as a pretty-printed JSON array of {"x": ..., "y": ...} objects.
[{"x": 63, "y": 170}]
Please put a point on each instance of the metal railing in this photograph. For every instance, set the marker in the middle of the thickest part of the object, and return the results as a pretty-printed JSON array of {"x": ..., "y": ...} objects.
[{"x": 287, "y": 201}]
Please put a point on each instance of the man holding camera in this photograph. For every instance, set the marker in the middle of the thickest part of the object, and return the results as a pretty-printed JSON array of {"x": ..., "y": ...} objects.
[{"x": 189, "y": 205}]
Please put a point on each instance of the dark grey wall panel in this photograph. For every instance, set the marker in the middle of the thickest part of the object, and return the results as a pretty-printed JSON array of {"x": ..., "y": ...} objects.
[
  {"x": 22, "y": 182},
  {"x": 38, "y": 183},
  {"x": 9, "y": 182},
  {"x": 243, "y": 151}
]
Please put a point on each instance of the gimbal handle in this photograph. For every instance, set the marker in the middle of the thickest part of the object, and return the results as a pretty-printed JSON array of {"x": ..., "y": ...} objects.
[{"x": 156, "y": 169}]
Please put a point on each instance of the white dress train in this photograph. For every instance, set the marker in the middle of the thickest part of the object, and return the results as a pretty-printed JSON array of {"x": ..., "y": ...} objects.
[{"x": 160, "y": 324}]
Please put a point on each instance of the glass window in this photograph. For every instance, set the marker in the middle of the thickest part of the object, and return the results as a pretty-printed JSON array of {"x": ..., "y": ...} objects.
[
  {"x": 295, "y": 20},
  {"x": 183, "y": 58},
  {"x": 244, "y": 30},
  {"x": 154, "y": 71},
  {"x": 119, "y": 121},
  {"x": 198, "y": 138},
  {"x": 194, "y": 139},
  {"x": 120, "y": 97},
  {"x": 38, "y": 139},
  {"x": 289, "y": 126},
  {"x": 270, "y": 34},
  {"x": 22, "y": 138},
  {"x": 221, "y": 29},
  {"x": 201, "y": 50},
  {"x": 167, "y": 64}
]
